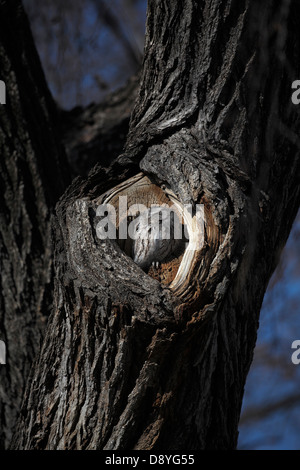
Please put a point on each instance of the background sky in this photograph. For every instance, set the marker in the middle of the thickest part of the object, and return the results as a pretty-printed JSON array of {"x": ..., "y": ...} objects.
[{"x": 92, "y": 47}]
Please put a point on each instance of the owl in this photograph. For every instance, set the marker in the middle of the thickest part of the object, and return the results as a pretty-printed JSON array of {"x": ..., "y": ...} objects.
[{"x": 154, "y": 234}]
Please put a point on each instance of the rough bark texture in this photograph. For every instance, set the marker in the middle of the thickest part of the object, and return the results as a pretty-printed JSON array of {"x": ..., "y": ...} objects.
[
  {"x": 33, "y": 174},
  {"x": 125, "y": 362}
]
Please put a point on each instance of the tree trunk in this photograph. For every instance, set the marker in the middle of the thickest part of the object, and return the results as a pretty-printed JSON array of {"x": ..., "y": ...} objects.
[
  {"x": 33, "y": 174},
  {"x": 98, "y": 132},
  {"x": 127, "y": 362}
]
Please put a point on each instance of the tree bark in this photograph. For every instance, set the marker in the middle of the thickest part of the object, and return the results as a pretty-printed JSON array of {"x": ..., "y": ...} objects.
[
  {"x": 33, "y": 174},
  {"x": 97, "y": 133},
  {"x": 126, "y": 362}
]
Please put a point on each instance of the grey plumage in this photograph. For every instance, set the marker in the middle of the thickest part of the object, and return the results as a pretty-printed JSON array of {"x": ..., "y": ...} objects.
[{"x": 154, "y": 236}]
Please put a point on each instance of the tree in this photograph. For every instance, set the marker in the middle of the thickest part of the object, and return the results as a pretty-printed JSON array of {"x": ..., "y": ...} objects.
[
  {"x": 127, "y": 362},
  {"x": 272, "y": 384},
  {"x": 34, "y": 173}
]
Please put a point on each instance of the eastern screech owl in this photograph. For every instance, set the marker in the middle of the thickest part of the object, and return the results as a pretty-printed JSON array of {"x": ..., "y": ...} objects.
[{"x": 154, "y": 236}]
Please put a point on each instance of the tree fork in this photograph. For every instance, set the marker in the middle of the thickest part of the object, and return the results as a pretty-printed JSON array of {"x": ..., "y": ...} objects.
[
  {"x": 126, "y": 362},
  {"x": 33, "y": 175}
]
